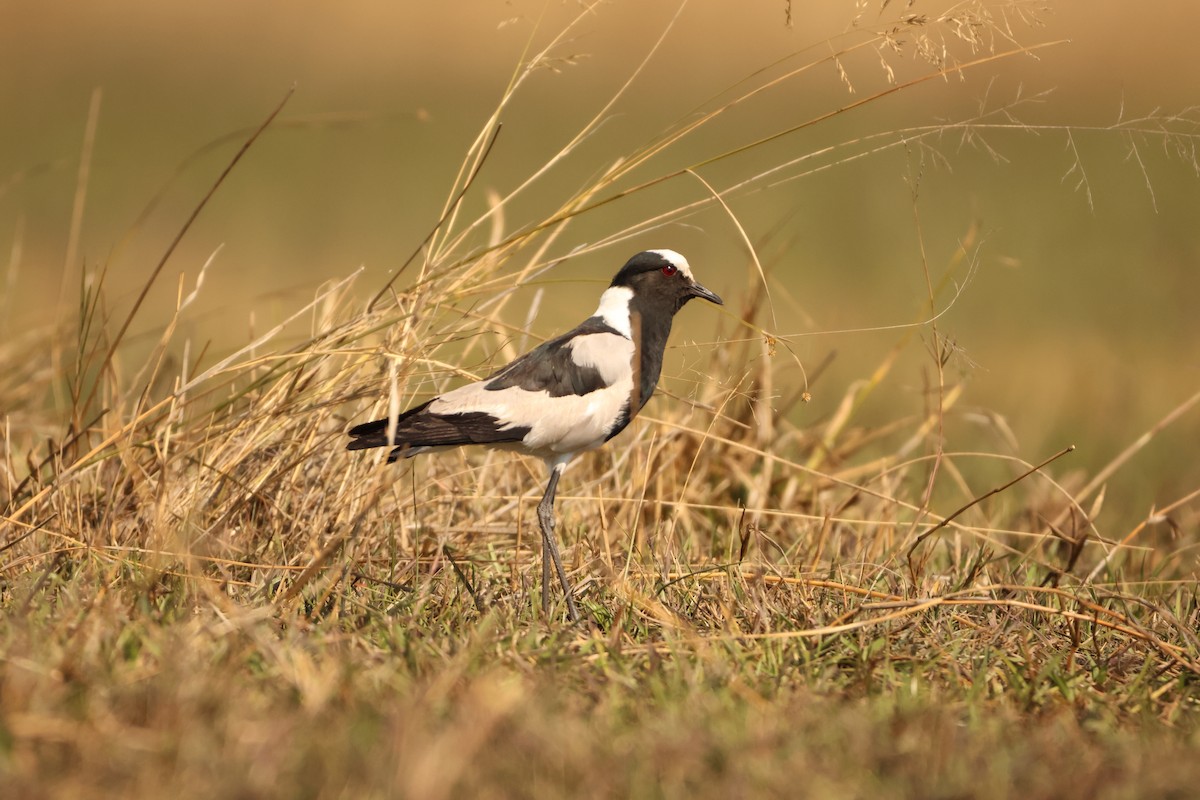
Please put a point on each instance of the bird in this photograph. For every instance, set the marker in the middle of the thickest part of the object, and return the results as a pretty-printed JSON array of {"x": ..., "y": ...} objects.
[{"x": 567, "y": 396}]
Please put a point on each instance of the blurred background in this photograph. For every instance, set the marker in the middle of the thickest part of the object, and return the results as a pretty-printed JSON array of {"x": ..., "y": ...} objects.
[{"x": 1078, "y": 326}]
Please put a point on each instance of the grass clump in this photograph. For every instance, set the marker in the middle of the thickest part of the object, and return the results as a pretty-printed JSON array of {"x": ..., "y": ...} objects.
[{"x": 203, "y": 594}]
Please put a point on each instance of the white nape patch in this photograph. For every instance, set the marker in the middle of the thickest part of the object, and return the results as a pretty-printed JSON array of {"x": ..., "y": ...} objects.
[
  {"x": 607, "y": 353},
  {"x": 614, "y": 307},
  {"x": 677, "y": 260}
]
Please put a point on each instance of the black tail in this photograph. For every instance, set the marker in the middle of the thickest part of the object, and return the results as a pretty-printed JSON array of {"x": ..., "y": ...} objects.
[{"x": 419, "y": 429}]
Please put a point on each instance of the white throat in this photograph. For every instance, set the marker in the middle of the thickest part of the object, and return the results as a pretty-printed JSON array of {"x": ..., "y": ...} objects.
[{"x": 614, "y": 309}]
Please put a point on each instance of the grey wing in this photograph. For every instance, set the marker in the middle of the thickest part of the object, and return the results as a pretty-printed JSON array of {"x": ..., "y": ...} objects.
[{"x": 567, "y": 365}]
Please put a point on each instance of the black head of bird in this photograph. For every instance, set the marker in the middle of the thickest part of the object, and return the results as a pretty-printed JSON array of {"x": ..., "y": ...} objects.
[{"x": 571, "y": 394}]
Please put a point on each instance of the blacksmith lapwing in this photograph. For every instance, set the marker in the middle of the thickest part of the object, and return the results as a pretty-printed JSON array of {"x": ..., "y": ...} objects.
[{"x": 571, "y": 394}]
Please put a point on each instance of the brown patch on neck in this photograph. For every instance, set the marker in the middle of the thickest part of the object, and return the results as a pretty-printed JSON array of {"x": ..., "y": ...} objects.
[{"x": 635, "y": 330}]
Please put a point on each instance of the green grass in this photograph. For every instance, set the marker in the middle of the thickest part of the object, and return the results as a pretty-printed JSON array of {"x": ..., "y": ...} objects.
[
  {"x": 204, "y": 595},
  {"x": 136, "y": 689}
]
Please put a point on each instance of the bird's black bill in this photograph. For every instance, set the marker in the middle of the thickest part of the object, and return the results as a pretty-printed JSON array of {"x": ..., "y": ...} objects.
[{"x": 700, "y": 291}]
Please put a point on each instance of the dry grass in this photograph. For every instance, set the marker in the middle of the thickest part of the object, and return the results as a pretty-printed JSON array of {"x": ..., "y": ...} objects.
[{"x": 204, "y": 595}]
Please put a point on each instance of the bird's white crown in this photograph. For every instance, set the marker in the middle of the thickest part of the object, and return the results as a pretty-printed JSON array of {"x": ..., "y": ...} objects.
[{"x": 678, "y": 260}]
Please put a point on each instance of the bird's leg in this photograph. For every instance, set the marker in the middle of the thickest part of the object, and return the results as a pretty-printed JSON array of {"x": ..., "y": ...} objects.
[
  {"x": 550, "y": 547},
  {"x": 546, "y": 524},
  {"x": 545, "y": 565}
]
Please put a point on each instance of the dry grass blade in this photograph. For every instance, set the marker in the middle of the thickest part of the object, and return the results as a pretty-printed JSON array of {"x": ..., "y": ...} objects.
[
  {"x": 162, "y": 262},
  {"x": 975, "y": 501}
]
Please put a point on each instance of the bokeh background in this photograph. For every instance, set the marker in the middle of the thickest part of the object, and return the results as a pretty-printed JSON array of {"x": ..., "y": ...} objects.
[{"x": 1079, "y": 326}]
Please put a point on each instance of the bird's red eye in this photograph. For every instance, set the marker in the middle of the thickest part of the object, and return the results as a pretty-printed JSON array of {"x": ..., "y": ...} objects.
[{"x": 669, "y": 270}]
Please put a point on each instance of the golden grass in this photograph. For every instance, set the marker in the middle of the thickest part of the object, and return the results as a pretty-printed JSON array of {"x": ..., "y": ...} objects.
[{"x": 204, "y": 595}]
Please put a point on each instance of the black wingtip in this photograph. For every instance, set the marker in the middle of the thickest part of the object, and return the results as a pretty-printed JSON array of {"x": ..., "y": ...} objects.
[
  {"x": 368, "y": 428},
  {"x": 368, "y": 435},
  {"x": 417, "y": 432}
]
